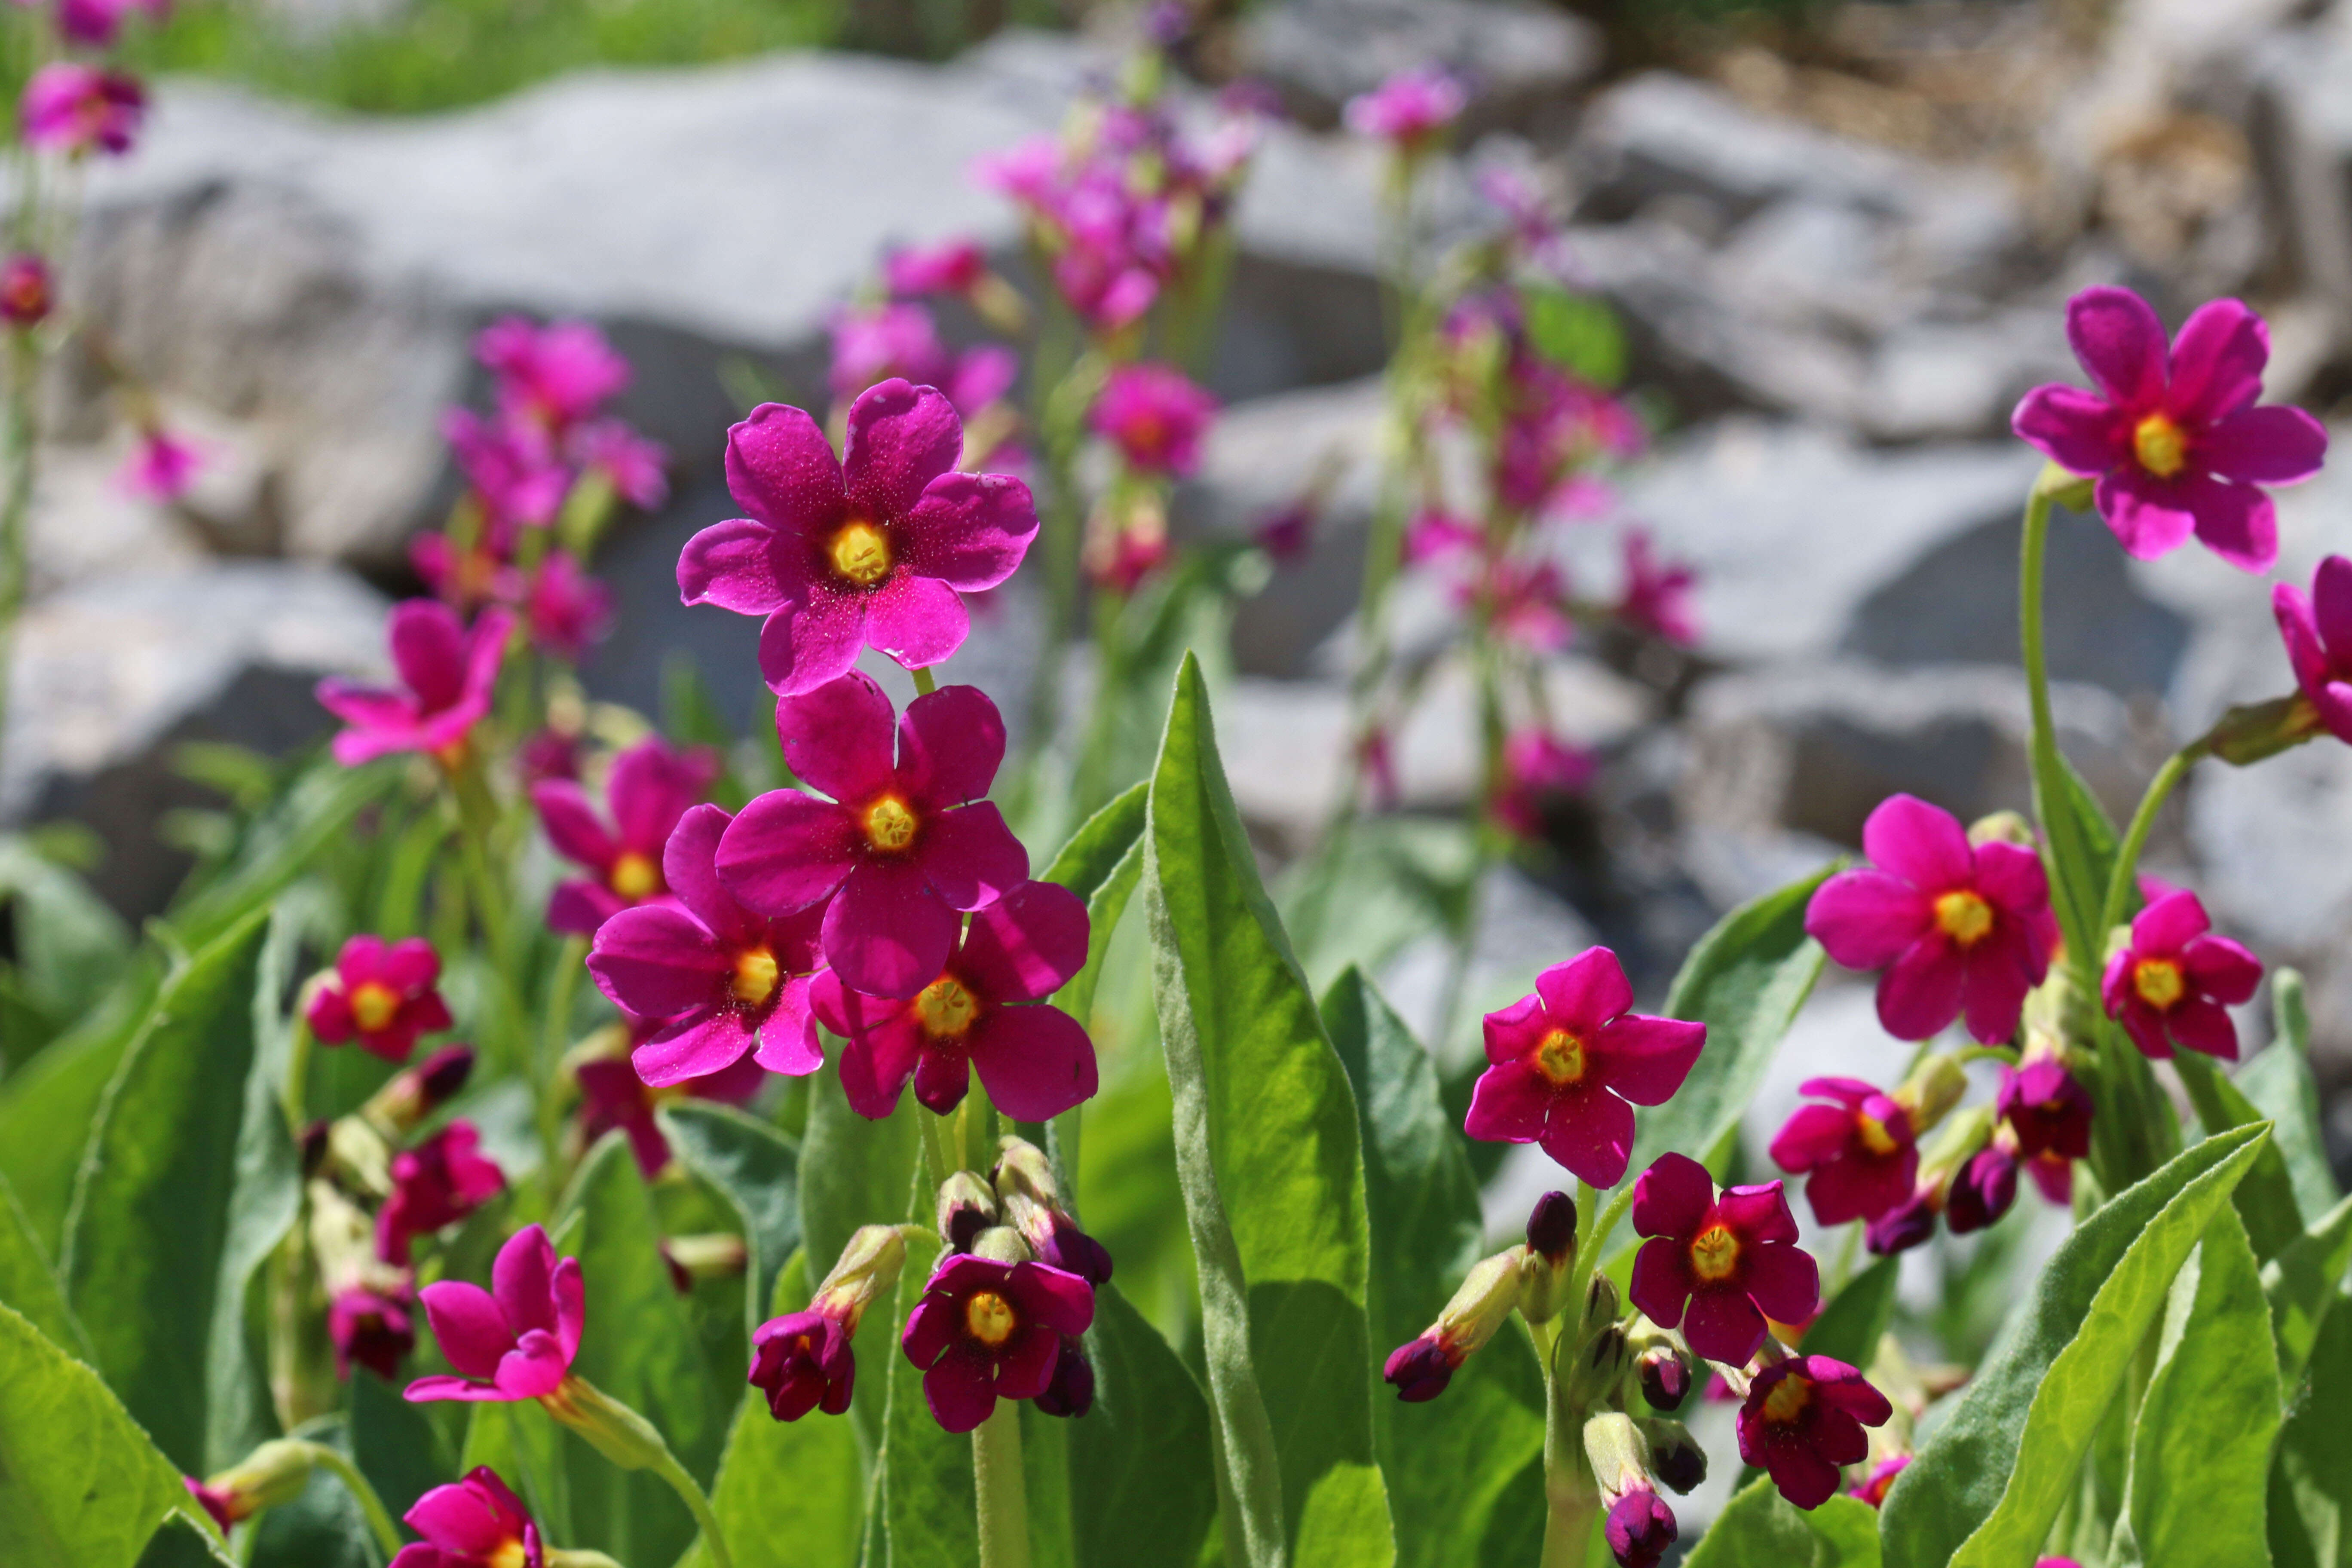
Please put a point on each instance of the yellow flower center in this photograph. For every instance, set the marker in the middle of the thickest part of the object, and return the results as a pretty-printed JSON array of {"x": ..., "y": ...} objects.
[
  {"x": 2160, "y": 447},
  {"x": 1964, "y": 916},
  {"x": 510, "y": 1553},
  {"x": 2159, "y": 981},
  {"x": 861, "y": 552},
  {"x": 635, "y": 876},
  {"x": 989, "y": 1317},
  {"x": 946, "y": 1008},
  {"x": 1874, "y": 1136},
  {"x": 1787, "y": 1400},
  {"x": 374, "y": 1005},
  {"x": 755, "y": 977},
  {"x": 889, "y": 825},
  {"x": 1714, "y": 1252},
  {"x": 1560, "y": 1058}
]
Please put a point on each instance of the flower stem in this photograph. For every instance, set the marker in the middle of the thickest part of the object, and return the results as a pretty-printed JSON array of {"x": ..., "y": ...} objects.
[
  {"x": 2043, "y": 746},
  {"x": 1001, "y": 1486},
  {"x": 1571, "y": 1496},
  {"x": 379, "y": 1517},
  {"x": 670, "y": 1470},
  {"x": 2119, "y": 881},
  {"x": 924, "y": 682},
  {"x": 1597, "y": 1237}
]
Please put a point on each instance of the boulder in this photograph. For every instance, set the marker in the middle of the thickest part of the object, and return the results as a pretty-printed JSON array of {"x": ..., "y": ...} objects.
[
  {"x": 1520, "y": 61},
  {"x": 2300, "y": 129}
]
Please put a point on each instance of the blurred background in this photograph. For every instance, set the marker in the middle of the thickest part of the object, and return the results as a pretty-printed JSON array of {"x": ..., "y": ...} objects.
[{"x": 1837, "y": 238}]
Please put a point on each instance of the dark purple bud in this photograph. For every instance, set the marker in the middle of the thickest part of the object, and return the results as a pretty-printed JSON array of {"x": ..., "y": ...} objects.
[
  {"x": 802, "y": 1362},
  {"x": 442, "y": 1075},
  {"x": 1981, "y": 1191},
  {"x": 967, "y": 1207},
  {"x": 1072, "y": 1392},
  {"x": 1905, "y": 1225},
  {"x": 314, "y": 1148},
  {"x": 1666, "y": 1379},
  {"x": 1064, "y": 1245},
  {"x": 1420, "y": 1369},
  {"x": 1676, "y": 1457},
  {"x": 1551, "y": 1227},
  {"x": 1640, "y": 1529}
]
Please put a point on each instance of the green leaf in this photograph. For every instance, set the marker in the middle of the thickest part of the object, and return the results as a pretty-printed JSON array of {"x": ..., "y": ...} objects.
[
  {"x": 2082, "y": 843},
  {"x": 2279, "y": 1083},
  {"x": 756, "y": 1170},
  {"x": 1745, "y": 981},
  {"x": 395, "y": 1443},
  {"x": 852, "y": 1172},
  {"x": 1576, "y": 331},
  {"x": 1856, "y": 1317},
  {"x": 149, "y": 1220},
  {"x": 1101, "y": 863},
  {"x": 526, "y": 1448},
  {"x": 2311, "y": 1477},
  {"x": 1268, "y": 1151},
  {"x": 927, "y": 1501},
  {"x": 46, "y": 1110},
  {"x": 2201, "y": 1448},
  {"x": 1987, "y": 1484},
  {"x": 29, "y": 1284},
  {"x": 1761, "y": 1529},
  {"x": 2265, "y": 1199},
  {"x": 1447, "y": 1461},
  {"x": 69, "y": 944},
  {"x": 81, "y": 1486},
  {"x": 1142, "y": 1486},
  {"x": 2301, "y": 1283}
]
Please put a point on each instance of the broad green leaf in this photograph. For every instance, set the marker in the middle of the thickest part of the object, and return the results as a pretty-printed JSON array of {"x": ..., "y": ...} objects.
[
  {"x": 1761, "y": 1529},
  {"x": 756, "y": 1170},
  {"x": 2201, "y": 1448},
  {"x": 151, "y": 1213},
  {"x": 1101, "y": 863},
  {"x": 394, "y": 1444},
  {"x": 1856, "y": 1317},
  {"x": 852, "y": 1172},
  {"x": 2279, "y": 1083},
  {"x": 1987, "y": 1484},
  {"x": 46, "y": 1110},
  {"x": 526, "y": 1448},
  {"x": 30, "y": 1285},
  {"x": 1745, "y": 981},
  {"x": 81, "y": 1486},
  {"x": 1447, "y": 1461},
  {"x": 2302, "y": 1283},
  {"x": 1143, "y": 1484},
  {"x": 2082, "y": 842},
  {"x": 2265, "y": 1199},
  {"x": 2311, "y": 1477},
  {"x": 69, "y": 944},
  {"x": 1267, "y": 1151},
  {"x": 927, "y": 1502}
]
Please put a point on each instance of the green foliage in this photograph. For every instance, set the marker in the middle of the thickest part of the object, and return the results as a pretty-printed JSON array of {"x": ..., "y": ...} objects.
[
  {"x": 852, "y": 1171},
  {"x": 29, "y": 1284},
  {"x": 756, "y": 1169},
  {"x": 927, "y": 1499},
  {"x": 1577, "y": 332},
  {"x": 1142, "y": 1485},
  {"x": 2265, "y": 1199},
  {"x": 2300, "y": 1282},
  {"x": 2310, "y": 1494},
  {"x": 69, "y": 944},
  {"x": 1760, "y": 1529},
  {"x": 1857, "y": 1317},
  {"x": 2279, "y": 1084}
]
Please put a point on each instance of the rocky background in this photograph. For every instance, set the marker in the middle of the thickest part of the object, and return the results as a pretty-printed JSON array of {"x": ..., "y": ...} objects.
[{"x": 1839, "y": 266}]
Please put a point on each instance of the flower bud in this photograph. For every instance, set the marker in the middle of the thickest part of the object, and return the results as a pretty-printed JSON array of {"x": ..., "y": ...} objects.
[
  {"x": 625, "y": 1437},
  {"x": 866, "y": 1271},
  {"x": 2253, "y": 732},
  {"x": 1908, "y": 1225},
  {"x": 2001, "y": 827},
  {"x": 1619, "y": 1454},
  {"x": 1675, "y": 1457},
  {"x": 1072, "y": 1392},
  {"x": 966, "y": 1207},
  {"x": 272, "y": 1474},
  {"x": 1001, "y": 1243},
  {"x": 1666, "y": 1375},
  {"x": 1935, "y": 1086},
  {"x": 1549, "y": 1259},
  {"x": 722, "y": 1255},
  {"x": 1600, "y": 1365},
  {"x": 1421, "y": 1368},
  {"x": 415, "y": 1093},
  {"x": 2067, "y": 488},
  {"x": 1981, "y": 1191},
  {"x": 1030, "y": 1202},
  {"x": 1640, "y": 1528},
  {"x": 358, "y": 1157},
  {"x": 1021, "y": 1168}
]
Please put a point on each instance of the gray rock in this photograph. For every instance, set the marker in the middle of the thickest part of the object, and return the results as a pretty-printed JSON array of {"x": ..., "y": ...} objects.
[
  {"x": 1960, "y": 380},
  {"x": 2300, "y": 129},
  {"x": 1518, "y": 59}
]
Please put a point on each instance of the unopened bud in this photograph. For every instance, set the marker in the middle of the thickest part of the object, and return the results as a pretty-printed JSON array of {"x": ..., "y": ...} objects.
[
  {"x": 272, "y": 1474},
  {"x": 966, "y": 1207},
  {"x": 1666, "y": 1376},
  {"x": 2073, "y": 491},
  {"x": 1675, "y": 1457},
  {"x": 415, "y": 1093},
  {"x": 1421, "y": 1368},
  {"x": 1599, "y": 1367},
  {"x": 2254, "y": 732},
  {"x": 626, "y": 1438},
  {"x": 867, "y": 1271},
  {"x": 693, "y": 1257},
  {"x": 1618, "y": 1452},
  {"x": 1640, "y": 1529},
  {"x": 1072, "y": 1391},
  {"x": 1935, "y": 1086},
  {"x": 1001, "y": 1243},
  {"x": 1029, "y": 1201},
  {"x": 358, "y": 1157},
  {"x": 1021, "y": 1168},
  {"x": 1548, "y": 1262}
]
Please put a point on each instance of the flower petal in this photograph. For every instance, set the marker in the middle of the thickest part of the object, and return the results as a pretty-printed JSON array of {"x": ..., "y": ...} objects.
[
  {"x": 739, "y": 565},
  {"x": 960, "y": 1389},
  {"x": 900, "y": 439},
  {"x": 1036, "y": 1061},
  {"x": 535, "y": 1367},
  {"x": 1811, "y": 1137},
  {"x": 1660, "y": 1286},
  {"x": 1920, "y": 992},
  {"x": 2148, "y": 516},
  {"x": 2012, "y": 878},
  {"x": 786, "y": 851},
  {"x": 1586, "y": 992},
  {"x": 788, "y": 1038},
  {"x": 2236, "y": 522},
  {"x": 2224, "y": 970},
  {"x": 2120, "y": 343},
  {"x": 876, "y": 1063},
  {"x": 2331, "y": 608},
  {"x": 1723, "y": 1325},
  {"x": 951, "y": 744},
  {"x": 2169, "y": 925},
  {"x": 2217, "y": 363},
  {"x": 705, "y": 1041},
  {"x": 1857, "y": 1188},
  {"x": 1026, "y": 945},
  {"x": 467, "y": 1323},
  {"x": 1512, "y": 1031},
  {"x": 781, "y": 467},
  {"x": 970, "y": 530},
  {"x": 2000, "y": 971},
  {"x": 1866, "y": 917},
  {"x": 887, "y": 932},
  {"x": 570, "y": 824},
  {"x": 523, "y": 1282},
  {"x": 1590, "y": 1134},
  {"x": 1785, "y": 1283},
  {"x": 1508, "y": 1104},
  {"x": 2079, "y": 431},
  {"x": 2271, "y": 446},
  {"x": 690, "y": 870},
  {"x": 1672, "y": 1197},
  {"x": 1924, "y": 845},
  {"x": 651, "y": 788},
  {"x": 971, "y": 858},
  {"x": 428, "y": 648},
  {"x": 2204, "y": 1025},
  {"x": 837, "y": 738},
  {"x": 917, "y": 621},
  {"x": 803, "y": 647},
  {"x": 657, "y": 962},
  {"x": 1645, "y": 1059}
]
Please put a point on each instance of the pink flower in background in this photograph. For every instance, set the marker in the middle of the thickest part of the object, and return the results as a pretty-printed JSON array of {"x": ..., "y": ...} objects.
[
  {"x": 901, "y": 847},
  {"x": 1873, "y": 1488},
  {"x": 952, "y": 267},
  {"x": 1861, "y": 1150},
  {"x": 1959, "y": 929},
  {"x": 633, "y": 465},
  {"x": 652, "y": 786},
  {"x": 371, "y": 1328},
  {"x": 478, "y": 1523},
  {"x": 27, "y": 290},
  {"x": 612, "y": 1096},
  {"x": 870, "y": 550},
  {"x": 872, "y": 343},
  {"x": 447, "y": 675},
  {"x": 72, "y": 108},
  {"x": 2175, "y": 437},
  {"x": 1433, "y": 534},
  {"x": 1123, "y": 558},
  {"x": 2046, "y": 1112},
  {"x": 549, "y": 753},
  {"x": 1718, "y": 1267},
  {"x": 465, "y": 580},
  {"x": 436, "y": 1184},
  {"x": 2175, "y": 982},
  {"x": 163, "y": 468},
  {"x": 1567, "y": 1064},
  {"x": 220, "y": 1506},
  {"x": 1408, "y": 108},
  {"x": 510, "y": 468},
  {"x": 1287, "y": 532},
  {"x": 982, "y": 376},
  {"x": 567, "y": 611},
  {"x": 2317, "y": 629},
  {"x": 1656, "y": 595},
  {"x": 95, "y": 23},
  {"x": 1155, "y": 414},
  {"x": 382, "y": 995},
  {"x": 725, "y": 981},
  {"x": 1803, "y": 1420},
  {"x": 1035, "y": 1062},
  {"x": 551, "y": 376},
  {"x": 1529, "y": 602},
  {"x": 1539, "y": 770},
  {"x": 514, "y": 1340},
  {"x": 985, "y": 1331}
]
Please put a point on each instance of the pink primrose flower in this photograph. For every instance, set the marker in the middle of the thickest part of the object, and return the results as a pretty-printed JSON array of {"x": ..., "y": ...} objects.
[
  {"x": 478, "y": 1523},
  {"x": 723, "y": 980},
  {"x": 873, "y": 344},
  {"x": 71, "y": 107},
  {"x": 1035, "y": 1061},
  {"x": 1958, "y": 929},
  {"x": 900, "y": 848},
  {"x": 1803, "y": 1419},
  {"x": 567, "y": 611},
  {"x": 985, "y": 1331},
  {"x": 1539, "y": 770},
  {"x": 371, "y": 1328},
  {"x": 2317, "y": 629},
  {"x": 161, "y": 467},
  {"x": 1529, "y": 602},
  {"x": 551, "y": 376},
  {"x": 1861, "y": 1150},
  {"x": 951, "y": 266},
  {"x": 1410, "y": 109},
  {"x": 1656, "y": 595},
  {"x": 1570, "y": 1063},
  {"x": 982, "y": 376},
  {"x": 634, "y": 466},
  {"x": 651, "y": 786},
  {"x": 95, "y": 23},
  {"x": 27, "y": 290},
  {"x": 1434, "y": 534},
  {"x": 1639, "y": 1529},
  {"x": 612, "y": 1096},
  {"x": 514, "y": 1340},
  {"x": 465, "y": 580},
  {"x": 436, "y": 1184},
  {"x": 1155, "y": 415},
  {"x": 383, "y": 995},
  {"x": 510, "y": 468},
  {"x": 1874, "y": 1487},
  {"x": 447, "y": 675},
  {"x": 874, "y": 549},
  {"x": 804, "y": 1361},
  {"x": 2175, "y": 982},
  {"x": 1718, "y": 1267},
  {"x": 2046, "y": 1112},
  {"x": 2174, "y": 436}
]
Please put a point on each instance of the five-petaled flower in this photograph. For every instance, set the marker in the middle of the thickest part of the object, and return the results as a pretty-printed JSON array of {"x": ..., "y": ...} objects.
[
  {"x": 478, "y": 1523},
  {"x": 612, "y": 1096},
  {"x": 161, "y": 468},
  {"x": 448, "y": 675},
  {"x": 552, "y": 376},
  {"x": 436, "y": 1184},
  {"x": 516, "y": 1340},
  {"x": 1719, "y": 1266},
  {"x": 1036, "y": 1061},
  {"x": 725, "y": 980},
  {"x": 2317, "y": 629},
  {"x": 1155, "y": 414},
  {"x": 382, "y": 995},
  {"x": 1960, "y": 930},
  {"x": 72, "y": 108},
  {"x": 2174, "y": 982},
  {"x": 1803, "y": 1419},
  {"x": 900, "y": 848},
  {"x": 1410, "y": 109},
  {"x": 876, "y": 549},
  {"x": 651, "y": 786},
  {"x": 1539, "y": 769},
  {"x": 1570, "y": 1062},
  {"x": 986, "y": 1330},
  {"x": 2045, "y": 1112},
  {"x": 2174, "y": 437},
  {"x": 1862, "y": 1152}
]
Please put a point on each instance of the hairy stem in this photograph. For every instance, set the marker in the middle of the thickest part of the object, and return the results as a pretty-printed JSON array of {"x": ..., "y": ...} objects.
[
  {"x": 670, "y": 1470},
  {"x": 1001, "y": 1486},
  {"x": 1571, "y": 1499},
  {"x": 379, "y": 1517}
]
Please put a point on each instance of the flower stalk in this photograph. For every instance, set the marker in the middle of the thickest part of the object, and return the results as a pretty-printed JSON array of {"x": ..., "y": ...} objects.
[{"x": 1002, "y": 1488}]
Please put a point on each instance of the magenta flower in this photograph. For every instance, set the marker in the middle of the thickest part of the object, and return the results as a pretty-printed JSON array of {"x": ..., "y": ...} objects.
[
  {"x": 652, "y": 786},
  {"x": 551, "y": 376},
  {"x": 1873, "y": 1488},
  {"x": 2175, "y": 437},
  {"x": 161, "y": 467},
  {"x": 900, "y": 848},
  {"x": 27, "y": 290},
  {"x": 985, "y": 1331},
  {"x": 511, "y": 470},
  {"x": 724, "y": 980},
  {"x": 952, "y": 267},
  {"x": 2046, "y": 1112},
  {"x": 369, "y": 1328},
  {"x": 1803, "y": 1419},
  {"x": 1155, "y": 414},
  {"x": 221, "y": 1506},
  {"x": 1408, "y": 108},
  {"x": 1570, "y": 1062},
  {"x": 874, "y": 342},
  {"x": 1528, "y": 604},
  {"x": 1539, "y": 769},
  {"x": 1432, "y": 535},
  {"x": 448, "y": 675},
  {"x": 1958, "y": 929},
  {"x": 514, "y": 1340},
  {"x": 634, "y": 466},
  {"x": 1656, "y": 595},
  {"x": 465, "y": 580},
  {"x": 548, "y": 753},
  {"x": 1732, "y": 1261},
  {"x": 382, "y": 995},
  {"x": 478, "y": 1523},
  {"x": 436, "y": 1184},
  {"x": 802, "y": 1362},
  {"x": 95, "y": 23},
  {"x": 874, "y": 549},
  {"x": 1982, "y": 1190},
  {"x": 1639, "y": 1529},
  {"x": 1036, "y": 1061},
  {"x": 2175, "y": 982},
  {"x": 567, "y": 611},
  {"x": 71, "y": 107},
  {"x": 1861, "y": 1150},
  {"x": 2317, "y": 629},
  {"x": 611, "y": 1095}
]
